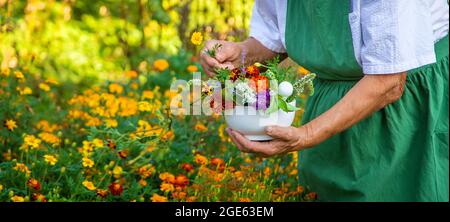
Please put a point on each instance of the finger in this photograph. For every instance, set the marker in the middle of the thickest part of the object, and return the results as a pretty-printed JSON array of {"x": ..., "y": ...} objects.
[
  {"x": 279, "y": 132},
  {"x": 256, "y": 147},
  {"x": 206, "y": 69},
  {"x": 227, "y": 65},
  {"x": 238, "y": 145},
  {"x": 226, "y": 53}
]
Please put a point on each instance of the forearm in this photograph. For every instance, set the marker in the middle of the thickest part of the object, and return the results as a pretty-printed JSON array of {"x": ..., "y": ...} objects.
[
  {"x": 256, "y": 52},
  {"x": 369, "y": 95}
]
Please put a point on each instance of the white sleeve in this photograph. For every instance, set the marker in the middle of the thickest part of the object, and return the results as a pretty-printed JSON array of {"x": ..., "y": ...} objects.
[
  {"x": 397, "y": 36},
  {"x": 264, "y": 25}
]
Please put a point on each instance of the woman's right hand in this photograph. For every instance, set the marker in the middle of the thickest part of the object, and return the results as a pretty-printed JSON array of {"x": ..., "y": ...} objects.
[{"x": 227, "y": 56}]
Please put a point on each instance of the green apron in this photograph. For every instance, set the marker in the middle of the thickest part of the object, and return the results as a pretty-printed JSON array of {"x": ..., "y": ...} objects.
[{"x": 399, "y": 153}]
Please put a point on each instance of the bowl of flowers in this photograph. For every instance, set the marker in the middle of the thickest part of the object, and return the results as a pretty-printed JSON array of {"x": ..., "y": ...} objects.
[{"x": 256, "y": 96}]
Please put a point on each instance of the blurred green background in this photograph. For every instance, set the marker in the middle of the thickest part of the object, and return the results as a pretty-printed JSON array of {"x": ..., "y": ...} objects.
[{"x": 87, "y": 41}]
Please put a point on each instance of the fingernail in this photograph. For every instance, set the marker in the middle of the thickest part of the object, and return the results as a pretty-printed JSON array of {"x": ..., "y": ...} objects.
[{"x": 268, "y": 129}]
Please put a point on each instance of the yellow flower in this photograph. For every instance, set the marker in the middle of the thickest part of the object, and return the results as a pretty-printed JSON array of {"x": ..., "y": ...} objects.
[
  {"x": 117, "y": 171},
  {"x": 87, "y": 162},
  {"x": 5, "y": 72},
  {"x": 16, "y": 198},
  {"x": 97, "y": 143},
  {"x": 49, "y": 138},
  {"x": 24, "y": 91},
  {"x": 31, "y": 141},
  {"x": 111, "y": 123},
  {"x": 115, "y": 88},
  {"x": 19, "y": 75},
  {"x": 44, "y": 87},
  {"x": 200, "y": 127},
  {"x": 52, "y": 81},
  {"x": 302, "y": 71},
  {"x": 89, "y": 185},
  {"x": 10, "y": 124},
  {"x": 144, "y": 106},
  {"x": 50, "y": 159},
  {"x": 160, "y": 65},
  {"x": 167, "y": 187},
  {"x": 192, "y": 68},
  {"x": 147, "y": 94},
  {"x": 1, "y": 188},
  {"x": 197, "y": 38},
  {"x": 158, "y": 198}
]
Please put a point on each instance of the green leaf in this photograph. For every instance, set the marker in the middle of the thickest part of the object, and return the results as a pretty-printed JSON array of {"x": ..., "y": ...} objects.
[{"x": 286, "y": 106}]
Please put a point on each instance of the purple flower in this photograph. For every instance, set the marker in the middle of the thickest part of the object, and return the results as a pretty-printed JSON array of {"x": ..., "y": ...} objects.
[{"x": 262, "y": 100}]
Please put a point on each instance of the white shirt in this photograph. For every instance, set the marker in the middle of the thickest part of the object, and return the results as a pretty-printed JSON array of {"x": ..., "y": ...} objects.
[{"x": 389, "y": 36}]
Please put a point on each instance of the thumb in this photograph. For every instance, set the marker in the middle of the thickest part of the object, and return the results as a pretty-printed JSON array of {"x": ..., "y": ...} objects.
[{"x": 279, "y": 132}]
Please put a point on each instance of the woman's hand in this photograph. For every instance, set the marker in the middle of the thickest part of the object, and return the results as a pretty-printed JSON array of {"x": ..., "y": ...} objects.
[
  {"x": 227, "y": 56},
  {"x": 286, "y": 139},
  {"x": 231, "y": 54}
]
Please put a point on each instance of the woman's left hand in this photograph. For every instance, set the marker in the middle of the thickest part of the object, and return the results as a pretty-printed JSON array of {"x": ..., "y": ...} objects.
[{"x": 286, "y": 139}]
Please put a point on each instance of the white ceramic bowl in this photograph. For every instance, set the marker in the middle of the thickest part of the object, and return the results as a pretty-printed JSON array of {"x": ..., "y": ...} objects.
[{"x": 250, "y": 122}]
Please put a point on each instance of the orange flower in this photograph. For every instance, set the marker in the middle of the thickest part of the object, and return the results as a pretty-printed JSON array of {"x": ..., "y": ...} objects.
[
  {"x": 167, "y": 187},
  {"x": 200, "y": 127},
  {"x": 168, "y": 136},
  {"x": 33, "y": 184},
  {"x": 245, "y": 199},
  {"x": 302, "y": 71},
  {"x": 160, "y": 65},
  {"x": 146, "y": 171},
  {"x": 158, "y": 198},
  {"x": 187, "y": 167},
  {"x": 191, "y": 199},
  {"x": 131, "y": 74},
  {"x": 199, "y": 159},
  {"x": 115, "y": 188},
  {"x": 311, "y": 196},
  {"x": 39, "y": 197},
  {"x": 192, "y": 68},
  {"x": 123, "y": 154},
  {"x": 102, "y": 193},
  {"x": 167, "y": 177},
  {"x": 115, "y": 88},
  {"x": 181, "y": 181},
  {"x": 143, "y": 183},
  {"x": 179, "y": 195}
]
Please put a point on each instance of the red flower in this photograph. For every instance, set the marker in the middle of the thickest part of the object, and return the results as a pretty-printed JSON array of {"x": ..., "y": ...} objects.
[
  {"x": 235, "y": 74},
  {"x": 251, "y": 71},
  {"x": 217, "y": 163},
  {"x": 116, "y": 189},
  {"x": 181, "y": 181},
  {"x": 33, "y": 184},
  {"x": 187, "y": 167}
]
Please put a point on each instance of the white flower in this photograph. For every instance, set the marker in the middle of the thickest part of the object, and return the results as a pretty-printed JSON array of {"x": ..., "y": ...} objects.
[{"x": 246, "y": 93}]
